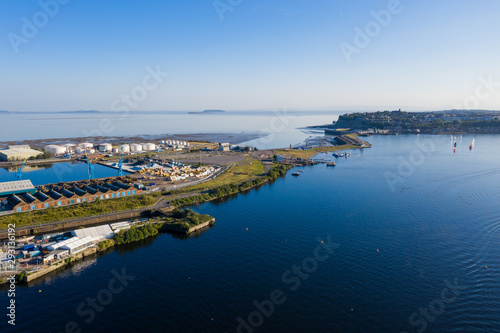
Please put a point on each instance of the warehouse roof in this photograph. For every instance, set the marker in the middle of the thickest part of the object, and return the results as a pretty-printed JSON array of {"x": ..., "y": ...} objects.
[
  {"x": 99, "y": 232},
  {"x": 74, "y": 242},
  {"x": 20, "y": 186},
  {"x": 70, "y": 243},
  {"x": 19, "y": 152}
]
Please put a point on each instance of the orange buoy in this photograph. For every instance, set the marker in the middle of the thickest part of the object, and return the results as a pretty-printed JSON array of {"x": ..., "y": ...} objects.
[
  {"x": 247, "y": 229},
  {"x": 377, "y": 250},
  {"x": 321, "y": 242},
  {"x": 485, "y": 267}
]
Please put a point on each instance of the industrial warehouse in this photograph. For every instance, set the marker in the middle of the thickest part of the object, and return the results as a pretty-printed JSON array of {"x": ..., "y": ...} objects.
[
  {"x": 18, "y": 153},
  {"x": 32, "y": 252},
  {"x": 20, "y": 196}
]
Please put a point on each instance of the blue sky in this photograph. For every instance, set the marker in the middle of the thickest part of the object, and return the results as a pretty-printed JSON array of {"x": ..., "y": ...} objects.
[{"x": 263, "y": 55}]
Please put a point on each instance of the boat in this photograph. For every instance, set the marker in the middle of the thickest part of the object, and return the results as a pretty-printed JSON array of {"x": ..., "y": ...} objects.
[
  {"x": 472, "y": 144},
  {"x": 332, "y": 164},
  {"x": 295, "y": 174},
  {"x": 301, "y": 170}
]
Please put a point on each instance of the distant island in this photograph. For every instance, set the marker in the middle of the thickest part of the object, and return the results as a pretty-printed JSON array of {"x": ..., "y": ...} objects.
[
  {"x": 206, "y": 111},
  {"x": 436, "y": 122}
]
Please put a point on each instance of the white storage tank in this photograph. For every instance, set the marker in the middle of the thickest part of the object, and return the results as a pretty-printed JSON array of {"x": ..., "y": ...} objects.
[
  {"x": 148, "y": 146},
  {"x": 90, "y": 151},
  {"x": 79, "y": 151},
  {"x": 55, "y": 150},
  {"x": 86, "y": 145},
  {"x": 70, "y": 147},
  {"x": 49, "y": 147},
  {"x": 124, "y": 148},
  {"x": 105, "y": 147},
  {"x": 135, "y": 147}
]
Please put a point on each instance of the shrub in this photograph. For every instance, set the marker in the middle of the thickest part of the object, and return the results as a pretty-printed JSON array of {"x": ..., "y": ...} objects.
[{"x": 277, "y": 170}]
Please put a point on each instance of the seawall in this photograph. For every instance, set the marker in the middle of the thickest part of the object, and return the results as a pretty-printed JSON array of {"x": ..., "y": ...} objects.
[{"x": 54, "y": 267}]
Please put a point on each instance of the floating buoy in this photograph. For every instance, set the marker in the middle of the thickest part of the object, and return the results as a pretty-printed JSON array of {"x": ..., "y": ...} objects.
[
  {"x": 377, "y": 250},
  {"x": 39, "y": 291},
  {"x": 485, "y": 267},
  {"x": 321, "y": 242},
  {"x": 247, "y": 229}
]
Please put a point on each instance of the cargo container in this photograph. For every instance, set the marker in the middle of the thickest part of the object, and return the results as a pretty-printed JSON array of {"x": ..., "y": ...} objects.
[{"x": 28, "y": 247}]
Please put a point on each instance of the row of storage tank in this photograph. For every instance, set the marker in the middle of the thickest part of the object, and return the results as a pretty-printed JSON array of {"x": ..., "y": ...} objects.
[
  {"x": 174, "y": 143},
  {"x": 102, "y": 147}
]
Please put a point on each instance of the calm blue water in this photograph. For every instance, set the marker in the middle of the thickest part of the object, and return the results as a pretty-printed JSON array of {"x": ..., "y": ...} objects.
[
  {"x": 439, "y": 220},
  {"x": 278, "y": 126},
  {"x": 58, "y": 172}
]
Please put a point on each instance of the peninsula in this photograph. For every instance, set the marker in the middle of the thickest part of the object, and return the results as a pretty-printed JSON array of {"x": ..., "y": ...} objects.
[{"x": 399, "y": 122}]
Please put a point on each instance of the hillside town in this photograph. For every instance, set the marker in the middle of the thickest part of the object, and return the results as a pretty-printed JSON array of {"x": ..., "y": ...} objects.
[{"x": 439, "y": 122}]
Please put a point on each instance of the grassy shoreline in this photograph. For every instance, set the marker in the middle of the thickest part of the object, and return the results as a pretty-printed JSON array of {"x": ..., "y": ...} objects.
[{"x": 276, "y": 171}]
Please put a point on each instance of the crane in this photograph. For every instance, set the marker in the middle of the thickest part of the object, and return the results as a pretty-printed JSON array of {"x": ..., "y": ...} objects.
[
  {"x": 120, "y": 164},
  {"x": 91, "y": 167},
  {"x": 19, "y": 173}
]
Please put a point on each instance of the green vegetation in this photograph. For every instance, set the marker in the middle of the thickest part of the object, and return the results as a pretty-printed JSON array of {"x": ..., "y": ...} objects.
[
  {"x": 135, "y": 234},
  {"x": 276, "y": 171},
  {"x": 78, "y": 211},
  {"x": 247, "y": 169},
  {"x": 21, "y": 276},
  {"x": 46, "y": 155},
  {"x": 305, "y": 154},
  {"x": 105, "y": 244},
  {"x": 183, "y": 220}
]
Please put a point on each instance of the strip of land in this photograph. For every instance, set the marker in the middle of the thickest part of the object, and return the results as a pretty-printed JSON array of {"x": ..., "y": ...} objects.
[{"x": 240, "y": 171}]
